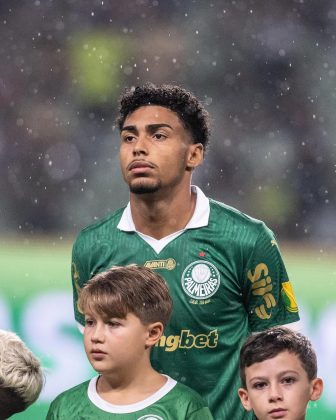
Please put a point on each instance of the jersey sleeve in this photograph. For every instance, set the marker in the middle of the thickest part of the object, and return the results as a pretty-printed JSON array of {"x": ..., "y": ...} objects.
[
  {"x": 268, "y": 293},
  {"x": 53, "y": 412},
  {"x": 79, "y": 277},
  {"x": 200, "y": 414}
]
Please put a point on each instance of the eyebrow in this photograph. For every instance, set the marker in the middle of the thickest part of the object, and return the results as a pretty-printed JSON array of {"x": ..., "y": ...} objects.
[
  {"x": 150, "y": 127},
  {"x": 264, "y": 378}
]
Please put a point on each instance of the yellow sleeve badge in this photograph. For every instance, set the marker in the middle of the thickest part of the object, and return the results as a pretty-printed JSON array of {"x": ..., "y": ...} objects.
[{"x": 288, "y": 297}]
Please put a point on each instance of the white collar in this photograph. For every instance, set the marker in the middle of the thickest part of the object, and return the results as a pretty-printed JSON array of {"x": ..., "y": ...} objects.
[
  {"x": 99, "y": 402},
  {"x": 200, "y": 218}
]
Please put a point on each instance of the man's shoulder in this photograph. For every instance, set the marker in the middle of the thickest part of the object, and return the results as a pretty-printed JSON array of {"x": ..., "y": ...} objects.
[
  {"x": 105, "y": 224},
  {"x": 220, "y": 210}
]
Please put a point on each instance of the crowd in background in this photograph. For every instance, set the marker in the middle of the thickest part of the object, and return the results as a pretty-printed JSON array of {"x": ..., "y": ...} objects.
[{"x": 266, "y": 72}]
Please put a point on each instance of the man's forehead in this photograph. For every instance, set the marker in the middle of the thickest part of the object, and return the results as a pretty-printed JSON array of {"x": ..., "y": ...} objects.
[{"x": 154, "y": 114}]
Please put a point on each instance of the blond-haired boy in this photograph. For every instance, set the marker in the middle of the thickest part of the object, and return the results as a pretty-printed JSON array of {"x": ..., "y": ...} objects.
[{"x": 126, "y": 309}]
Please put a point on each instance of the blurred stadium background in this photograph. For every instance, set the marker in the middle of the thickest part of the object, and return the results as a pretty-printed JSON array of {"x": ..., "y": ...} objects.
[{"x": 266, "y": 72}]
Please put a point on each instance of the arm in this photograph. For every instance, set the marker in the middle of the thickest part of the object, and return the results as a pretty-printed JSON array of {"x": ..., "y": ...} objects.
[{"x": 268, "y": 294}]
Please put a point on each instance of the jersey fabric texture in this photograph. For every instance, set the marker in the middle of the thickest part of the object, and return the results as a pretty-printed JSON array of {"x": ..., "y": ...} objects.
[
  {"x": 172, "y": 402},
  {"x": 227, "y": 279}
]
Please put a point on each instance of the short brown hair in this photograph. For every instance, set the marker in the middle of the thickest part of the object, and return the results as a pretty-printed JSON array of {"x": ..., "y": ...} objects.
[
  {"x": 269, "y": 343},
  {"x": 121, "y": 290}
]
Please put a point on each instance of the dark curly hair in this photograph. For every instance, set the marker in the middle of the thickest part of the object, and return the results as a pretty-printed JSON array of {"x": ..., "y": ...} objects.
[
  {"x": 269, "y": 343},
  {"x": 189, "y": 109}
]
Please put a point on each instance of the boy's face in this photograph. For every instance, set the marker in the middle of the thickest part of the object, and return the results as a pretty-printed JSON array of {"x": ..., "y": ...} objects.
[
  {"x": 118, "y": 345},
  {"x": 279, "y": 388}
]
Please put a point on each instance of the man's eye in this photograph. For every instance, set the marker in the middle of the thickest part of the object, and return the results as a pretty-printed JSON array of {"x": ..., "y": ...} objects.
[
  {"x": 128, "y": 139},
  {"x": 159, "y": 136}
]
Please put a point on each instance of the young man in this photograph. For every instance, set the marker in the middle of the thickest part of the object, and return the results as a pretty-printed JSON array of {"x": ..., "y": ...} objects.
[
  {"x": 224, "y": 269},
  {"x": 278, "y": 371},
  {"x": 126, "y": 309},
  {"x": 21, "y": 377}
]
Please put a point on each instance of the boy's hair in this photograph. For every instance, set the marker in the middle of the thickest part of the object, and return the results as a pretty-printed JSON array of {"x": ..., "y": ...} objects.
[
  {"x": 269, "y": 343},
  {"x": 21, "y": 376},
  {"x": 121, "y": 290},
  {"x": 189, "y": 109}
]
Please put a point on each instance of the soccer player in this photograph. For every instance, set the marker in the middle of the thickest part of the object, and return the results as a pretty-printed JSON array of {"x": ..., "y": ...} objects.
[
  {"x": 223, "y": 268},
  {"x": 21, "y": 377},
  {"x": 278, "y": 371},
  {"x": 126, "y": 309}
]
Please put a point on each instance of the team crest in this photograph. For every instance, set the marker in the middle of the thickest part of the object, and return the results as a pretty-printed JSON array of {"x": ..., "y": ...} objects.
[
  {"x": 150, "y": 417},
  {"x": 200, "y": 280}
]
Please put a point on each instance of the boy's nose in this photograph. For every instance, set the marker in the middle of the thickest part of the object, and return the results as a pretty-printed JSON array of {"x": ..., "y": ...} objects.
[
  {"x": 275, "y": 393},
  {"x": 97, "y": 335}
]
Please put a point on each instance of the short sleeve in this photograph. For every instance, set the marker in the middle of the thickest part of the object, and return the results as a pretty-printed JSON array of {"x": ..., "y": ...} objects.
[
  {"x": 268, "y": 292},
  {"x": 201, "y": 414}
]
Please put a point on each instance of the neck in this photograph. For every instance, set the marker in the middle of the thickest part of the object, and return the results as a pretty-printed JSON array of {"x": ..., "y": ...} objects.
[
  {"x": 130, "y": 388},
  {"x": 163, "y": 213}
]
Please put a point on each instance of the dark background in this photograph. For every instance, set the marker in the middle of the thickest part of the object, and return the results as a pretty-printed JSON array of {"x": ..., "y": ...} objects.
[{"x": 265, "y": 70}]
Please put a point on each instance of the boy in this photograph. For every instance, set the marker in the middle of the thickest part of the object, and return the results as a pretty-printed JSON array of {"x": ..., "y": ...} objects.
[
  {"x": 278, "y": 371},
  {"x": 21, "y": 377},
  {"x": 126, "y": 309}
]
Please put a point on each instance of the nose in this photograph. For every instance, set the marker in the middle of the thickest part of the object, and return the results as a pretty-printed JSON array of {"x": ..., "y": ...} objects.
[
  {"x": 275, "y": 393},
  {"x": 98, "y": 334},
  {"x": 140, "y": 146}
]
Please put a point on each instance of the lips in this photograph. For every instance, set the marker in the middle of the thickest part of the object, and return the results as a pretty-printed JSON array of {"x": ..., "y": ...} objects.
[
  {"x": 139, "y": 164},
  {"x": 97, "y": 352},
  {"x": 278, "y": 413}
]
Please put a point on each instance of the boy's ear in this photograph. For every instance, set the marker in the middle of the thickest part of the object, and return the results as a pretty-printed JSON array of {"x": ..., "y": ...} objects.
[
  {"x": 154, "y": 333},
  {"x": 244, "y": 399},
  {"x": 195, "y": 156},
  {"x": 317, "y": 388}
]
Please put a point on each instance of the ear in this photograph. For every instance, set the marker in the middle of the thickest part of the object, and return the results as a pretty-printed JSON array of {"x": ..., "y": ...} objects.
[
  {"x": 316, "y": 390},
  {"x": 195, "y": 156},
  {"x": 154, "y": 333},
  {"x": 244, "y": 398}
]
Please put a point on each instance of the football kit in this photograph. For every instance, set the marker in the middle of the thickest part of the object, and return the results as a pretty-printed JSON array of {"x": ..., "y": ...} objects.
[
  {"x": 227, "y": 279},
  {"x": 173, "y": 401}
]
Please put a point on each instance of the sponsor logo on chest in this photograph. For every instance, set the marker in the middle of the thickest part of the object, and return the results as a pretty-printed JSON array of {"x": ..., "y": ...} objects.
[
  {"x": 200, "y": 280},
  {"x": 168, "y": 264}
]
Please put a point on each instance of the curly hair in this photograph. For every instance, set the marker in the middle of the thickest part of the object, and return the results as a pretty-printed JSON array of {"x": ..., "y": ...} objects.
[
  {"x": 189, "y": 109},
  {"x": 269, "y": 343}
]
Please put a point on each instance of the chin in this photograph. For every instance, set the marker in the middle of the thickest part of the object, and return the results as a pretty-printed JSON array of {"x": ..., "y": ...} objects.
[{"x": 143, "y": 188}]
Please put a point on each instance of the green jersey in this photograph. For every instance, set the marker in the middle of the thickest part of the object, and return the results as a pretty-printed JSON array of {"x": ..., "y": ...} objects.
[
  {"x": 226, "y": 277},
  {"x": 172, "y": 402}
]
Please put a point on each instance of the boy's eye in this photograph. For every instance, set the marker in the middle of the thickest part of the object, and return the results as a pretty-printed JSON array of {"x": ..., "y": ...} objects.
[
  {"x": 113, "y": 323},
  {"x": 288, "y": 380},
  {"x": 88, "y": 322},
  {"x": 259, "y": 385}
]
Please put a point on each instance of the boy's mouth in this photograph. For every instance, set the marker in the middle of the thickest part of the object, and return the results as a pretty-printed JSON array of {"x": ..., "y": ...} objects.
[{"x": 277, "y": 413}]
